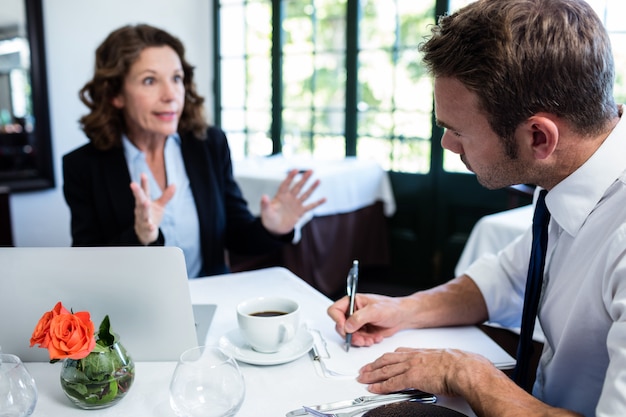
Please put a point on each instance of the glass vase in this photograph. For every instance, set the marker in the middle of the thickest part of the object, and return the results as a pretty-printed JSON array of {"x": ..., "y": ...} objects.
[{"x": 99, "y": 380}]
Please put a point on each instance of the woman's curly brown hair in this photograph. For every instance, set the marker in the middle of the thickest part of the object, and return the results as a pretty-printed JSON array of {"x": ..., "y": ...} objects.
[{"x": 104, "y": 125}]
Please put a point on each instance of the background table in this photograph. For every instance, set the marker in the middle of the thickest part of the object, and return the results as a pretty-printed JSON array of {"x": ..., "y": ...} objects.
[
  {"x": 352, "y": 224},
  {"x": 270, "y": 390},
  {"x": 492, "y": 233}
]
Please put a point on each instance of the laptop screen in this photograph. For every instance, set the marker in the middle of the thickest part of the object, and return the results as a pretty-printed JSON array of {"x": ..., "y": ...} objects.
[{"x": 144, "y": 290}]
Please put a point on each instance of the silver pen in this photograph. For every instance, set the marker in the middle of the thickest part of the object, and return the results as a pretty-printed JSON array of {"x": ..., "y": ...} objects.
[{"x": 352, "y": 281}]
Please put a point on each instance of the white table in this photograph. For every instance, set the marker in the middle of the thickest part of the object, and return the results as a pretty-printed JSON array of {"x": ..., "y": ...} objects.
[
  {"x": 351, "y": 224},
  {"x": 270, "y": 390},
  {"x": 348, "y": 184},
  {"x": 492, "y": 233}
]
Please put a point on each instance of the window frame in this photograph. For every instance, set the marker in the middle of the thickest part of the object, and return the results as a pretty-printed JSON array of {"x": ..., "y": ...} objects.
[{"x": 350, "y": 133}]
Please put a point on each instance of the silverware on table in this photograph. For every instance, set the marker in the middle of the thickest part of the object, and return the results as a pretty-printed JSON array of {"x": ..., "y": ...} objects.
[
  {"x": 352, "y": 413},
  {"x": 413, "y": 395}
]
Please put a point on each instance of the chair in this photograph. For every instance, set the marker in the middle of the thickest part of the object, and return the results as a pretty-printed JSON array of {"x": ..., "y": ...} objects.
[{"x": 6, "y": 232}]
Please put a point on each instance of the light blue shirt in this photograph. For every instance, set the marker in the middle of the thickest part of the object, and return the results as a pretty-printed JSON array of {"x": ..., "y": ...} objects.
[{"x": 180, "y": 226}]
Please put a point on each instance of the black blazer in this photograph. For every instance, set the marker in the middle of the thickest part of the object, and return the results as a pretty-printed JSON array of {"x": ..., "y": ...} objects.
[{"x": 97, "y": 191}]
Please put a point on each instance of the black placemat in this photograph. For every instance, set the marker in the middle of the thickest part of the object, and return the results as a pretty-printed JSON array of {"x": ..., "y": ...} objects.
[{"x": 412, "y": 409}]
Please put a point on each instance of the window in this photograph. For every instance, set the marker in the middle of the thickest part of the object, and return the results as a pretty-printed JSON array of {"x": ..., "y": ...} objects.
[
  {"x": 611, "y": 12},
  {"x": 351, "y": 81},
  {"x": 346, "y": 79}
]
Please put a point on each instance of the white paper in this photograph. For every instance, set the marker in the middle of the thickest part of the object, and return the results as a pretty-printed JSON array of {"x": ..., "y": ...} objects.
[{"x": 339, "y": 363}]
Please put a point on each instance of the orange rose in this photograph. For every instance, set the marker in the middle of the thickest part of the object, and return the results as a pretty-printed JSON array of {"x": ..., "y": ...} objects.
[
  {"x": 71, "y": 336},
  {"x": 42, "y": 329}
]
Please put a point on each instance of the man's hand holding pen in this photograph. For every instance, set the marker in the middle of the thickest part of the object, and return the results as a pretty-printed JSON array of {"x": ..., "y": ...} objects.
[
  {"x": 373, "y": 318},
  {"x": 365, "y": 319}
]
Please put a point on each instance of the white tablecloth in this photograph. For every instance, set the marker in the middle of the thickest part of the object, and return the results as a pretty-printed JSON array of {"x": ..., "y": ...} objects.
[
  {"x": 348, "y": 184},
  {"x": 492, "y": 233},
  {"x": 270, "y": 390},
  {"x": 350, "y": 225}
]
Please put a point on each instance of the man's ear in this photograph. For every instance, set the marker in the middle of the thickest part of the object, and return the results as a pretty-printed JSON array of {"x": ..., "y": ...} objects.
[{"x": 544, "y": 135}]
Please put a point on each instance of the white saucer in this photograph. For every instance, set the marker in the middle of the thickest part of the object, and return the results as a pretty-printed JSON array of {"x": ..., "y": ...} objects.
[{"x": 234, "y": 344}]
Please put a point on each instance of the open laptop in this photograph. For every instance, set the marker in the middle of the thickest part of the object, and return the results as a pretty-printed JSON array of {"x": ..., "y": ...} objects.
[{"x": 144, "y": 291}]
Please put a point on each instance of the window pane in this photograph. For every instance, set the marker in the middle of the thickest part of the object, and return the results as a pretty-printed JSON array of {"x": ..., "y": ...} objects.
[
  {"x": 376, "y": 79},
  {"x": 233, "y": 120},
  {"x": 258, "y": 83},
  {"x": 612, "y": 14},
  {"x": 258, "y": 29},
  {"x": 413, "y": 89},
  {"x": 298, "y": 27},
  {"x": 399, "y": 154},
  {"x": 414, "y": 124},
  {"x": 297, "y": 122},
  {"x": 259, "y": 144},
  {"x": 411, "y": 155},
  {"x": 329, "y": 121},
  {"x": 258, "y": 121},
  {"x": 232, "y": 31},
  {"x": 245, "y": 67},
  {"x": 394, "y": 92},
  {"x": 378, "y": 24},
  {"x": 329, "y": 81},
  {"x": 237, "y": 143},
  {"x": 375, "y": 123},
  {"x": 313, "y": 77},
  {"x": 618, "y": 41},
  {"x": 297, "y": 77},
  {"x": 457, "y": 4},
  {"x": 330, "y": 28},
  {"x": 233, "y": 73},
  {"x": 377, "y": 149},
  {"x": 329, "y": 147}
]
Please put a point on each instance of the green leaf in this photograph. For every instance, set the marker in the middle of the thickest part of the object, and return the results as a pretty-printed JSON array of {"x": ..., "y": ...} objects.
[
  {"x": 105, "y": 337},
  {"x": 98, "y": 366},
  {"x": 100, "y": 348}
]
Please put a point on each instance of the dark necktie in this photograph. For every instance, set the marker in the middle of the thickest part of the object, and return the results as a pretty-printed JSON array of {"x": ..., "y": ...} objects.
[{"x": 534, "y": 281}]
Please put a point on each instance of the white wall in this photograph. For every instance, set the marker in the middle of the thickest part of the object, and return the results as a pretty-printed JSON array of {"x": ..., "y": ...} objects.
[{"x": 73, "y": 29}]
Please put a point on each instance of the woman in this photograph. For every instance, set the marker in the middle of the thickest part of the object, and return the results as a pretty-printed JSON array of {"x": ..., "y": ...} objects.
[{"x": 146, "y": 128}]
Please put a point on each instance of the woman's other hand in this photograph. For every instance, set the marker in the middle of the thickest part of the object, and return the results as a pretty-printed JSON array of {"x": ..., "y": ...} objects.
[{"x": 280, "y": 214}]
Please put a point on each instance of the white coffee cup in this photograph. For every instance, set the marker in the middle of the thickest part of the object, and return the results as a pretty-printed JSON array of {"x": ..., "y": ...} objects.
[{"x": 268, "y": 323}]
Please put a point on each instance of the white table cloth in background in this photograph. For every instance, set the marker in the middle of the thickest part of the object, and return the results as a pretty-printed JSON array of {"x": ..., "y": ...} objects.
[
  {"x": 271, "y": 391},
  {"x": 348, "y": 184},
  {"x": 351, "y": 224},
  {"x": 492, "y": 233}
]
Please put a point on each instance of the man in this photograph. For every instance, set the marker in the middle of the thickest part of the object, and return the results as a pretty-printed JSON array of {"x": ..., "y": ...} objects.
[{"x": 524, "y": 91}]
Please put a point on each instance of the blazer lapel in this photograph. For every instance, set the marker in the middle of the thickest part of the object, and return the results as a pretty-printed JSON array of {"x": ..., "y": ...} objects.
[
  {"x": 114, "y": 170},
  {"x": 197, "y": 159}
]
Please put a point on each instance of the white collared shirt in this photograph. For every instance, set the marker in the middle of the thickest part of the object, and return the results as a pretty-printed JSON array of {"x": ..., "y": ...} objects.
[
  {"x": 180, "y": 226},
  {"x": 583, "y": 306}
]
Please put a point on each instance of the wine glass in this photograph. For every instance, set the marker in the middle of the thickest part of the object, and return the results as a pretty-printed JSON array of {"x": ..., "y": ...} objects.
[
  {"x": 18, "y": 393},
  {"x": 207, "y": 382}
]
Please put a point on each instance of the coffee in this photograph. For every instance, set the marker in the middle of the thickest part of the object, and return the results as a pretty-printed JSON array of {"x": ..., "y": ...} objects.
[
  {"x": 268, "y": 313},
  {"x": 268, "y": 323}
]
